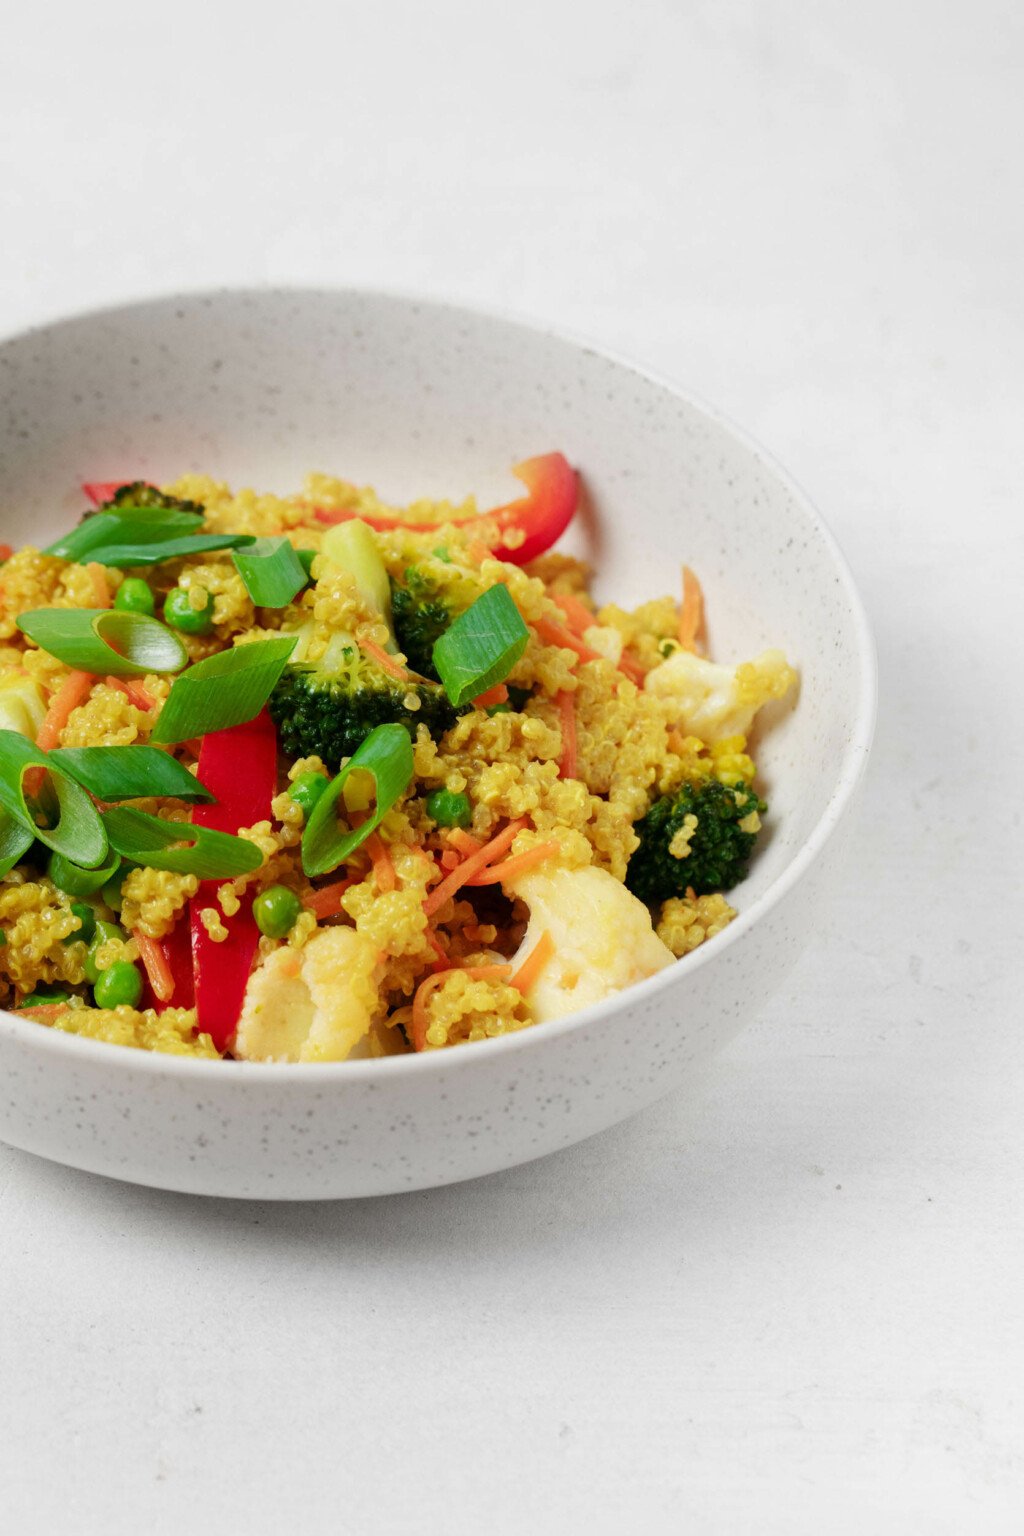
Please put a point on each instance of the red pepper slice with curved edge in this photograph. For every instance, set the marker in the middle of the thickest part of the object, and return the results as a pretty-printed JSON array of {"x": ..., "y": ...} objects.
[
  {"x": 542, "y": 516},
  {"x": 239, "y": 766}
]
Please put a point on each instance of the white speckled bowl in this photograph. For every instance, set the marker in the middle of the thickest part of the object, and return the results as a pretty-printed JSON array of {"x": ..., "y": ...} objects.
[{"x": 422, "y": 398}]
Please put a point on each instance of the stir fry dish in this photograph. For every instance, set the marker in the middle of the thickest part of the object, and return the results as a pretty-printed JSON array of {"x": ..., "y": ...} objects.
[{"x": 313, "y": 778}]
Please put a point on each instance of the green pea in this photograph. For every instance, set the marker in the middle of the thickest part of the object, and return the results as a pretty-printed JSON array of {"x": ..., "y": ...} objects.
[
  {"x": 307, "y": 789},
  {"x": 276, "y": 911},
  {"x": 118, "y": 986},
  {"x": 499, "y": 709},
  {"x": 104, "y": 933},
  {"x": 449, "y": 809},
  {"x": 73, "y": 880},
  {"x": 441, "y": 553},
  {"x": 180, "y": 614},
  {"x": 135, "y": 596},
  {"x": 86, "y": 930}
]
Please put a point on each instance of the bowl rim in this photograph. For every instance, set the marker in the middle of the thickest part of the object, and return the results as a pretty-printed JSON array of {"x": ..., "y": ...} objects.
[{"x": 853, "y": 763}]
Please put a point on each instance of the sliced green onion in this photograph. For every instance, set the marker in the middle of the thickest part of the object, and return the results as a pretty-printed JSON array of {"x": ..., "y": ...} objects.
[
  {"x": 179, "y": 846},
  {"x": 76, "y": 881},
  {"x": 141, "y": 536},
  {"x": 224, "y": 690},
  {"x": 165, "y": 522},
  {"x": 386, "y": 755},
  {"x": 77, "y": 831},
  {"x": 128, "y": 773},
  {"x": 482, "y": 646},
  {"x": 136, "y": 525},
  {"x": 15, "y": 842},
  {"x": 271, "y": 570},
  {"x": 105, "y": 640}
]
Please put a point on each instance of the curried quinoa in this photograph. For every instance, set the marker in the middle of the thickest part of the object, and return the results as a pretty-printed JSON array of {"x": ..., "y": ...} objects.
[{"x": 509, "y": 836}]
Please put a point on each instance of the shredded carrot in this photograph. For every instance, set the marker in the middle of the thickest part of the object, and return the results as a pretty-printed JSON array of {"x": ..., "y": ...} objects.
[
  {"x": 73, "y": 691},
  {"x": 100, "y": 585},
  {"x": 556, "y": 634},
  {"x": 472, "y": 866},
  {"x": 632, "y": 669},
  {"x": 536, "y": 960},
  {"x": 464, "y": 841},
  {"x": 420, "y": 1017},
  {"x": 478, "y": 551},
  {"x": 386, "y": 663},
  {"x": 567, "y": 719},
  {"x": 450, "y": 859},
  {"x": 380, "y": 858},
  {"x": 676, "y": 743},
  {"x": 5, "y": 551},
  {"x": 442, "y": 963},
  {"x": 134, "y": 692},
  {"x": 691, "y": 614},
  {"x": 326, "y": 902},
  {"x": 495, "y": 873},
  {"x": 578, "y": 615},
  {"x": 44, "y": 1013},
  {"x": 155, "y": 962},
  {"x": 496, "y": 695},
  {"x": 553, "y": 633}
]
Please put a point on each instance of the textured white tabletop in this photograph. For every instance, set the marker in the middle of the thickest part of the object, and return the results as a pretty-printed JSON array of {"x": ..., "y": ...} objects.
[{"x": 797, "y": 1309}]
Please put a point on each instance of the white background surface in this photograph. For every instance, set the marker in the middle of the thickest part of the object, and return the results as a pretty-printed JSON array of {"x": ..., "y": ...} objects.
[{"x": 798, "y": 1309}]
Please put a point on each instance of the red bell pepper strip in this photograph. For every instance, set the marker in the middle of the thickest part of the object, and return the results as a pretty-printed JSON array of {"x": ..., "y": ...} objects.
[
  {"x": 239, "y": 766},
  {"x": 99, "y": 491},
  {"x": 542, "y": 516}
]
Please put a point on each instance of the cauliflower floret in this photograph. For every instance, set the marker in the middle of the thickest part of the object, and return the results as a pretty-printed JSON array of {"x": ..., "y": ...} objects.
[
  {"x": 314, "y": 1004},
  {"x": 605, "y": 640},
  {"x": 715, "y": 701},
  {"x": 602, "y": 934},
  {"x": 22, "y": 706}
]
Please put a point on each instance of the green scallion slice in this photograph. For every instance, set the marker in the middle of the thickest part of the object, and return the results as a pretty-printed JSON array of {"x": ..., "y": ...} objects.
[
  {"x": 56, "y": 810},
  {"x": 482, "y": 646},
  {"x": 224, "y": 690},
  {"x": 77, "y": 881},
  {"x": 141, "y": 536},
  {"x": 128, "y": 773},
  {"x": 106, "y": 641},
  {"x": 152, "y": 522},
  {"x": 178, "y": 846},
  {"x": 386, "y": 755},
  {"x": 15, "y": 842},
  {"x": 271, "y": 570}
]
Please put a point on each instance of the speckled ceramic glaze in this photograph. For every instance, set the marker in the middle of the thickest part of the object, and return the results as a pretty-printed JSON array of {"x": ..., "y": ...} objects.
[{"x": 427, "y": 399}]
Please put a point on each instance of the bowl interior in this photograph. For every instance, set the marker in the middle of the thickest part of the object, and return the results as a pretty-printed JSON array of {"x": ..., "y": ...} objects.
[{"x": 425, "y": 399}]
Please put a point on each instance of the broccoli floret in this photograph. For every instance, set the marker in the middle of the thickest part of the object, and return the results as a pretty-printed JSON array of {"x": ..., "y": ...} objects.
[
  {"x": 421, "y": 618},
  {"x": 141, "y": 494},
  {"x": 328, "y": 708},
  {"x": 719, "y": 845}
]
